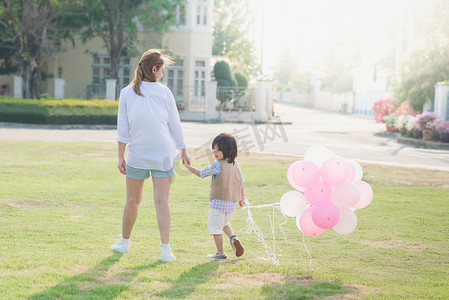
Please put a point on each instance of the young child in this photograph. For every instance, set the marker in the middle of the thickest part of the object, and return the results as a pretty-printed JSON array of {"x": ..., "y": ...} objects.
[{"x": 225, "y": 190}]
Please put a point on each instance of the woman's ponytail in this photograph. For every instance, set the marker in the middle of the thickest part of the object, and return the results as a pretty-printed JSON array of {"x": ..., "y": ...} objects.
[
  {"x": 138, "y": 77},
  {"x": 144, "y": 71}
]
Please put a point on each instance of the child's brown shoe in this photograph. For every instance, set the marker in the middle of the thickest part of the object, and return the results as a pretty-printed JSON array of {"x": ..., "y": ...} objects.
[{"x": 237, "y": 246}]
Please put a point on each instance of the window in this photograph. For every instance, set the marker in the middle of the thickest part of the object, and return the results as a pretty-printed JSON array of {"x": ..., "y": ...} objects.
[
  {"x": 175, "y": 80},
  {"x": 181, "y": 14},
  {"x": 199, "y": 88},
  {"x": 201, "y": 12},
  {"x": 101, "y": 70}
]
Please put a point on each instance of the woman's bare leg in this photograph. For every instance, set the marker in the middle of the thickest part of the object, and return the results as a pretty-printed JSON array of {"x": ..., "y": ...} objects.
[
  {"x": 134, "y": 188},
  {"x": 161, "y": 191}
]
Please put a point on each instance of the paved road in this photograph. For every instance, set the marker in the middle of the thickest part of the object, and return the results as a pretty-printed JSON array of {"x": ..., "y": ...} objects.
[{"x": 347, "y": 135}]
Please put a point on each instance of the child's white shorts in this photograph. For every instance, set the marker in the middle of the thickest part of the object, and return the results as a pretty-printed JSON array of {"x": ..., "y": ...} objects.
[{"x": 218, "y": 220}]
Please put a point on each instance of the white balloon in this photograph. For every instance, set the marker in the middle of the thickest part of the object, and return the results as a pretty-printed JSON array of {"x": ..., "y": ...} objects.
[
  {"x": 358, "y": 169},
  {"x": 366, "y": 194},
  {"x": 347, "y": 222},
  {"x": 293, "y": 203},
  {"x": 318, "y": 154},
  {"x": 346, "y": 194}
]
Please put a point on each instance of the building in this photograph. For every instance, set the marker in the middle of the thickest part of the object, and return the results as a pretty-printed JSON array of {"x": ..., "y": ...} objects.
[
  {"x": 82, "y": 71},
  {"x": 85, "y": 67}
]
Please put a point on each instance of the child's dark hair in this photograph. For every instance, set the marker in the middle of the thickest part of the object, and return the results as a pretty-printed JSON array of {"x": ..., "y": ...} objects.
[{"x": 226, "y": 143}]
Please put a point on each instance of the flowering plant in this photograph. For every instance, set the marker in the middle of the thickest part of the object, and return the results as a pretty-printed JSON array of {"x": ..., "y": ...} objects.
[
  {"x": 402, "y": 121},
  {"x": 443, "y": 126},
  {"x": 413, "y": 124},
  {"x": 405, "y": 108},
  {"x": 390, "y": 121},
  {"x": 383, "y": 107},
  {"x": 426, "y": 120}
]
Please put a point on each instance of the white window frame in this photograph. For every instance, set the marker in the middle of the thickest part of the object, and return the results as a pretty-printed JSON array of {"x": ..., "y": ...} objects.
[
  {"x": 125, "y": 64},
  {"x": 199, "y": 78},
  {"x": 176, "y": 82},
  {"x": 181, "y": 15},
  {"x": 202, "y": 13}
]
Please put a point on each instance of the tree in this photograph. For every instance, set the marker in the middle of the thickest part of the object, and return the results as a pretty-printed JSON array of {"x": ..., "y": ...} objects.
[
  {"x": 421, "y": 71},
  {"x": 230, "y": 35},
  {"x": 7, "y": 65},
  {"x": 31, "y": 30},
  {"x": 427, "y": 64},
  {"x": 116, "y": 21}
]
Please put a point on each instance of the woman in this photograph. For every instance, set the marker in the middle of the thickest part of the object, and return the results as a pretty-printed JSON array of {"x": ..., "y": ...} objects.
[{"x": 148, "y": 122}]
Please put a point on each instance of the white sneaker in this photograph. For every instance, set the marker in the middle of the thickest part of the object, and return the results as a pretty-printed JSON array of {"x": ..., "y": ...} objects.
[
  {"x": 166, "y": 254},
  {"x": 121, "y": 246}
]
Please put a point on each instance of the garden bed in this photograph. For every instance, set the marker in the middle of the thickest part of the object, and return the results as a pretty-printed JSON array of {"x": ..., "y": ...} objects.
[{"x": 63, "y": 111}]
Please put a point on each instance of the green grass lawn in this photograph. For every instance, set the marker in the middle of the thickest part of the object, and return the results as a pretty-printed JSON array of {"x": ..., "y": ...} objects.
[{"x": 61, "y": 206}]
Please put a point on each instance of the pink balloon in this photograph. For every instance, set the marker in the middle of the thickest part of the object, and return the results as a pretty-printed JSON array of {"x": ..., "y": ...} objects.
[
  {"x": 306, "y": 225},
  {"x": 325, "y": 214},
  {"x": 318, "y": 192},
  {"x": 366, "y": 194},
  {"x": 334, "y": 171},
  {"x": 303, "y": 173},
  {"x": 346, "y": 194},
  {"x": 291, "y": 181}
]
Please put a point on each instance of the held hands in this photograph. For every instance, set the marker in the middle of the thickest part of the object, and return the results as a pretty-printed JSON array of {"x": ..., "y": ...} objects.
[
  {"x": 186, "y": 163},
  {"x": 185, "y": 157}
]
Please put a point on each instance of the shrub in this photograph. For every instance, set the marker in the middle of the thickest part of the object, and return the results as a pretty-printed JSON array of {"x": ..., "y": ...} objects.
[
  {"x": 442, "y": 126},
  {"x": 405, "y": 108},
  {"x": 390, "y": 120},
  {"x": 222, "y": 71},
  {"x": 403, "y": 121},
  {"x": 426, "y": 120},
  {"x": 241, "y": 80},
  {"x": 66, "y": 111},
  {"x": 383, "y": 107}
]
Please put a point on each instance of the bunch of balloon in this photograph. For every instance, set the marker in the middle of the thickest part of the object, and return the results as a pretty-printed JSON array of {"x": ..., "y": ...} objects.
[{"x": 329, "y": 189}]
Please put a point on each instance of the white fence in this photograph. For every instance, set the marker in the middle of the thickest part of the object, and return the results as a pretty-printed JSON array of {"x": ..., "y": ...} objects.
[
  {"x": 360, "y": 103},
  {"x": 343, "y": 103}
]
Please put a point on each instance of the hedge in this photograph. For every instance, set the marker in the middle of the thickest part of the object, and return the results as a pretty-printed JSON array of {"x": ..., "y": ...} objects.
[{"x": 63, "y": 111}]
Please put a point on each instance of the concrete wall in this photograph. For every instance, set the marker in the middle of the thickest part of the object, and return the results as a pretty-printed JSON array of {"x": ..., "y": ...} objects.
[{"x": 343, "y": 103}]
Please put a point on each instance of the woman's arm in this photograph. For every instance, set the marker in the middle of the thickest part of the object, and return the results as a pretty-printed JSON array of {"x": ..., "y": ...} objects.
[
  {"x": 121, "y": 157},
  {"x": 174, "y": 125},
  {"x": 122, "y": 120},
  {"x": 174, "y": 122}
]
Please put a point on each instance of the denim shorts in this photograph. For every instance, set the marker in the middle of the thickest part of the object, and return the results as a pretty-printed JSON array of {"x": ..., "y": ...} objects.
[{"x": 142, "y": 174}]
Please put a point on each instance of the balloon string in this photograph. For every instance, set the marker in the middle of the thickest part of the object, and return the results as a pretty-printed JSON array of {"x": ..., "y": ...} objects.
[
  {"x": 276, "y": 204},
  {"x": 282, "y": 230},
  {"x": 310, "y": 262},
  {"x": 272, "y": 232},
  {"x": 252, "y": 226}
]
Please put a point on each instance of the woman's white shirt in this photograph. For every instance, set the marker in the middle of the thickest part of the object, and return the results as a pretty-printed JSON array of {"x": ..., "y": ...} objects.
[{"x": 150, "y": 125}]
